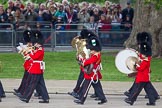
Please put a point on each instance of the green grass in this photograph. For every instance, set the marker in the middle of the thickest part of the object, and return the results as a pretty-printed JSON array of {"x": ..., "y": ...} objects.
[{"x": 63, "y": 66}]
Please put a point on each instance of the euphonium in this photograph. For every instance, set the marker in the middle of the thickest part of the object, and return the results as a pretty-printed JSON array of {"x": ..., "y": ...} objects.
[
  {"x": 74, "y": 41},
  {"x": 80, "y": 45}
]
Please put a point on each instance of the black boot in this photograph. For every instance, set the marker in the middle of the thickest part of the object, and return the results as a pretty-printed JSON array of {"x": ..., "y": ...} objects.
[
  {"x": 24, "y": 100},
  {"x": 151, "y": 104},
  {"x": 93, "y": 96},
  {"x": 127, "y": 100},
  {"x": 102, "y": 101},
  {"x": 44, "y": 101},
  {"x": 79, "y": 102},
  {"x": 127, "y": 93}
]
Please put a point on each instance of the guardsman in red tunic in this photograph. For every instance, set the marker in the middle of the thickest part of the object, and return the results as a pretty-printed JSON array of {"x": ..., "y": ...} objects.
[
  {"x": 27, "y": 64},
  {"x": 142, "y": 79},
  {"x": 85, "y": 34},
  {"x": 36, "y": 71},
  {"x": 143, "y": 37},
  {"x": 94, "y": 76}
]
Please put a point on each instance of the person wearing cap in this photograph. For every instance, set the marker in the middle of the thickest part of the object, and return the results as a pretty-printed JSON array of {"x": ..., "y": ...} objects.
[
  {"x": 94, "y": 76},
  {"x": 27, "y": 35},
  {"x": 142, "y": 79},
  {"x": 36, "y": 70}
]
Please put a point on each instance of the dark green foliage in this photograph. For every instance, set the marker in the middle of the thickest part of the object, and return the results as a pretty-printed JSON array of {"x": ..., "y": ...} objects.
[{"x": 157, "y": 3}]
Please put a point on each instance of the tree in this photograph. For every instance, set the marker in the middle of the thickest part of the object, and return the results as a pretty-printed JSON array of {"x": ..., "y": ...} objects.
[{"x": 148, "y": 16}]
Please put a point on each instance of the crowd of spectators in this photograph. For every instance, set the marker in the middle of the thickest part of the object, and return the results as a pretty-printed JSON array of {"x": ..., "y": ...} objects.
[
  {"x": 93, "y": 16},
  {"x": 67, "y": 16}
]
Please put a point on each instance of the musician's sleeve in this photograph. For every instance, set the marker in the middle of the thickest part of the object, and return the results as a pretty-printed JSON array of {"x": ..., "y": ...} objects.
[
  {"x": 91, "y": 60},
  {"x": 36, "y": 55},
  {"x": 142, "y": 66}
]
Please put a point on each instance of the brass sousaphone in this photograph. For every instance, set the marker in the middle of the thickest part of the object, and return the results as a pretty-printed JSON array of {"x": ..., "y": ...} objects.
[{"x": 125, "y": 61}]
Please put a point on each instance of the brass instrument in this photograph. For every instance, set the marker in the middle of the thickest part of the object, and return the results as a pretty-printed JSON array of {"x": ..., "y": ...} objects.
[
  {"x": 82, "y": 51},
  {"x": 74, "y": 41},
  {"x": 25, "y": 50},
  {"x": 126, "y": 60},
  {"x": 80, "y": 46}
]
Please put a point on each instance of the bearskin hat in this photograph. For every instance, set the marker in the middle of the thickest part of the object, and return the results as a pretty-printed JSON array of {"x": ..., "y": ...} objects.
[
  {"x": 37, "y": 37},
  {"x": 27, "y": 36},
  {"x": 144, "y": 37},
  {"x": 85, "y": 34},
  {"x": 94, "y": 44},
  {"x": 145, "y": 49}
]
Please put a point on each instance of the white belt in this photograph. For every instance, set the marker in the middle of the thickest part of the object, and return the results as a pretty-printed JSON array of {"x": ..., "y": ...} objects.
[
  {"x": 37, "y": 61},
  {"x": 42, "y": 64}
]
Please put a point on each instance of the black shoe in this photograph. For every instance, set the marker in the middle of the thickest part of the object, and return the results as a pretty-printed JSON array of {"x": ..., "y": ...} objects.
[
  {"x": 158, "y": 97},
  {"x": 150, "y": 104},
  {"x": 127, "y": 100},
  {"x": 78, "y": 102},
  {"x": 3, "y": 95},
  {"x": 102, "y": 101},
  {"x": 76, "y": 96},
  {"x": 44, "y": 101},
  {"x": 93, "y": 96},
  {"x": 24, "y": 100},
  {"x": 72, "y": 93},
  {"x": 18, "y": 95},
  {"x": 127, "y": 93},
  {"x": 36, "y": 94},
  {"x": 97, "y": 99},
  {"x": 0, "y": 100},
  {"x": 15, "y": 90}
]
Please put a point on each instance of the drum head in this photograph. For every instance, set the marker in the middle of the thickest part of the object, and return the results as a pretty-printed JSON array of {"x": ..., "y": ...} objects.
[{"x": 121, "y": 60}]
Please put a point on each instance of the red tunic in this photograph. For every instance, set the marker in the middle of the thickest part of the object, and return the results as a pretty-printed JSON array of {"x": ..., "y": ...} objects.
[
  {"x": 143, "y": 71},
  {"x": 37, "y": 58},
  {"x": 27, "y": 64},
  {"x": 94, "y": 59}
]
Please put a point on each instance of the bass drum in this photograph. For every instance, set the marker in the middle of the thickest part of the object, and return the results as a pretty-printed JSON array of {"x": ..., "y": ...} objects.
[{"x": 125, "y": 61}]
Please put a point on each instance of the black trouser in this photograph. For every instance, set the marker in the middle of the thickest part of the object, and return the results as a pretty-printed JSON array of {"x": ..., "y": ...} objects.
[
  {"x": 98, "y": 90},
  {"x": 138, "y": 88},
  {"x": 1, "y": 90},
  {"x": 36, "y": 80},
  {"x": 85, "y": 89},
  {"x": 131, "y": 88},
  {"x": 152, "y": 89},
  {"x": 79, "y": 82},
  {"x": 23, "y": 82}
]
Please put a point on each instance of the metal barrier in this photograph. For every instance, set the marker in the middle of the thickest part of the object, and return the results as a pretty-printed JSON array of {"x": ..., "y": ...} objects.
[
  {"x": 6, "y": 36},
  {"x": 55, "y": 37},
  {"x": 113, "y": 36}
]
